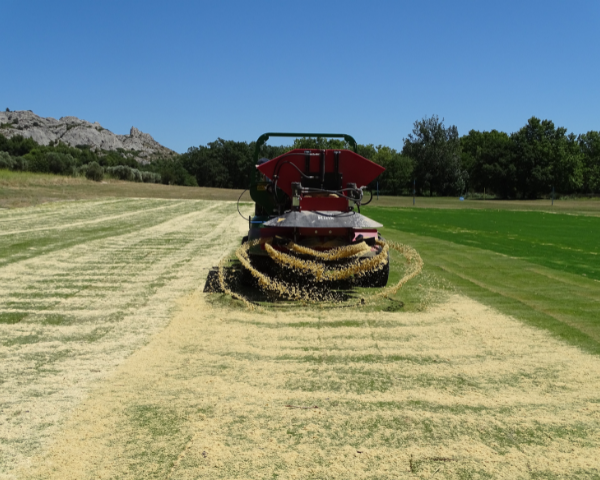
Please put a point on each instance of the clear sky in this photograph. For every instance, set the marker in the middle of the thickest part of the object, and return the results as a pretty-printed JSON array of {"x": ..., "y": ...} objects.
[{"x": 188, "y": 72}]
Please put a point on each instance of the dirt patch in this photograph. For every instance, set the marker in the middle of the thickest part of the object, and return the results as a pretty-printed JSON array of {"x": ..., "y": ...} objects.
[{"x": 458, "y": 391}]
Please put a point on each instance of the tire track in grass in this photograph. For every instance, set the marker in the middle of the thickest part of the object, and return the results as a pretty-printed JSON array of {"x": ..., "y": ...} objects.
[{"x": 93, "y": 304}]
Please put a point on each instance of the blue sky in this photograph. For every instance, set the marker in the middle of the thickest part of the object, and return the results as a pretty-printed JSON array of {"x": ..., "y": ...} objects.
[{"x": 188, "y": 72}]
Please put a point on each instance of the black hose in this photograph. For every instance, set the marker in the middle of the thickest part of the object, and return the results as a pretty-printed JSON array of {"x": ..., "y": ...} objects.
[
  {"x": 238, "y": 204},
  {"x": 370, "y": 199},
  {"x": 293, "y": 165}
]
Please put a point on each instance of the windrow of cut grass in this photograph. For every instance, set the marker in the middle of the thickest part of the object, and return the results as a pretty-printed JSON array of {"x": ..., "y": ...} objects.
[{"x": 538, "y": 267}]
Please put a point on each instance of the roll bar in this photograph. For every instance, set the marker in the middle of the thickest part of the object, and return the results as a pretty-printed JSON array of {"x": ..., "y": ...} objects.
[{"x": 265, "y": 136}]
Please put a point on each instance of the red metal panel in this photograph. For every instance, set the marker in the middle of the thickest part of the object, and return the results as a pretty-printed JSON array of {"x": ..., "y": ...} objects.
[
  {"x": 324, "y": 204},
  {"x": 353, "y": 167}
]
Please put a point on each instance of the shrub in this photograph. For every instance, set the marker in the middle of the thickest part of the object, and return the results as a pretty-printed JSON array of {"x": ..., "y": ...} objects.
[
  {"x": 6, "y": 161},
  {"x": 17, "y": 145},
  {"x": 94, "y": 172},
  {"x": 20, "y": 164},
  {"x": 60, "y": 163},
  {"x": 137, "y": 175},
  {"x": 150, "y": 177},
  {"x": 121, "y": 172},
  {"x": 37, "y": 161}
]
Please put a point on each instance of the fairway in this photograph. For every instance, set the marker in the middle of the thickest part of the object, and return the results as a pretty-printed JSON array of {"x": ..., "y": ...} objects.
[{"x": 116, "y": 365}]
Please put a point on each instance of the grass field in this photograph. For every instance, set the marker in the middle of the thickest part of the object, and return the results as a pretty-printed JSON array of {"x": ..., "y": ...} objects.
[
  {"x": 116, "y": 365},
  {"x": 22, "y": 189},
  {"x": 578, "y": 206},
  {"x": 540, "y": 267}
]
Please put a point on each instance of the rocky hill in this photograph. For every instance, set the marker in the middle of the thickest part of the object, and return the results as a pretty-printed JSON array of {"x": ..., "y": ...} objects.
[{"x": 75, "y": 132}]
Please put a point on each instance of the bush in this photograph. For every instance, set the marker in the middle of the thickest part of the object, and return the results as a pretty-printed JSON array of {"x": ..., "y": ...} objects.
[
  {"x": 137, "y": 175},
  {"x": 37, "y": 161},
  {"x": 94, "y": 172},
  {"x": 6, "y": 161},
  {"x": 171, "y": 172},
  {"x": 121, "y": 172},
  {"x": 150, "y": 177},
  {"x": 60, "y": 163},
  {"x": 20, "y": 164},
  {"x": 17, "y": 145}
]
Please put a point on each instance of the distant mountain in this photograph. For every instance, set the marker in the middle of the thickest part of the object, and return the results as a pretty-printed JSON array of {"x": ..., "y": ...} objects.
[{"x": 76, "y": 132}]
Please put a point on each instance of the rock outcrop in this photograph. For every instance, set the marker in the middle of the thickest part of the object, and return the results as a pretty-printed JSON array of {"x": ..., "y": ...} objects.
[{"x": 74, "y": 131}]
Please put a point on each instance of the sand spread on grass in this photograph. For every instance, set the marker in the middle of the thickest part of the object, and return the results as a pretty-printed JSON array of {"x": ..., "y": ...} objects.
[
  {"x": 88, "y": 298},
  {"x": 459, "y": 391}
]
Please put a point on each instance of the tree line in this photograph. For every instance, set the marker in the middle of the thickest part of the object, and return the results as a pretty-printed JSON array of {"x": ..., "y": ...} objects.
[{"x": 434, "y": 160}]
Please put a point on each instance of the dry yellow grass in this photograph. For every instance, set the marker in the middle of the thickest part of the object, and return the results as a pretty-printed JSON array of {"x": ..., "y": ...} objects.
[
  {"x": 23, "y": 189},
  {"x": 101, "y": 379},
  {"x": 458, "y": 391},
  {"x": 88, "y": 302}
]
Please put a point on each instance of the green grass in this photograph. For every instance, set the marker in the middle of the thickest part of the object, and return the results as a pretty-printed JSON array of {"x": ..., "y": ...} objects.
[
  {"x": 538, "y": 267},
  {"x": 558, "y": 241},
  {"x": 579, "y": 206},
  {"x": 12, "y": 317}
]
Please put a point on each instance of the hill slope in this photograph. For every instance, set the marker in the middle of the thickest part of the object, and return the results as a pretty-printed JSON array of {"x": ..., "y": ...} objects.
[{"x": 74, "y": 131}]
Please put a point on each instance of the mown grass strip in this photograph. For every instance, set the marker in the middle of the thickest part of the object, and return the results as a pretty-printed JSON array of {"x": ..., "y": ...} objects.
[
  {"x": 566, "y": 305},
  {"x": 18, "y": 246},
  {"x": 568, "y": 243}
]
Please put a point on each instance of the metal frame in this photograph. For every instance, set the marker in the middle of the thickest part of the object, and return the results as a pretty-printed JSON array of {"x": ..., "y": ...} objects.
[{"x": 265, "y": 136}]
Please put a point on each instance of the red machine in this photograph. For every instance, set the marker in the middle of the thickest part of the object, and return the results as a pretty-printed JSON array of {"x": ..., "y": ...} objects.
[{"x": 308, "y": 200}]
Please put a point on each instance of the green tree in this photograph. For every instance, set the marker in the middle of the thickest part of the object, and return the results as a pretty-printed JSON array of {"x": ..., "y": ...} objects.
[
  {"x": 59, "y": 163},
  {"x": 171, "y": 172},
  {"x": 436, "y": 153},
  {"x": 398, "y": 170},
  {"x": 368, "y": 151},
  {"x": 546, "y": 156},
  {"x": 222, "y": 164},
  {"x": 17, "y": 145},
  {"x": 94, "y": 172},
  {"x": 6, "y": 161},
  {"x": 487, "y": 156},
  {"x": 321, "y": 143},
  {"x": 568, "y": 164},
  {"x": 589, "y": 144}
]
